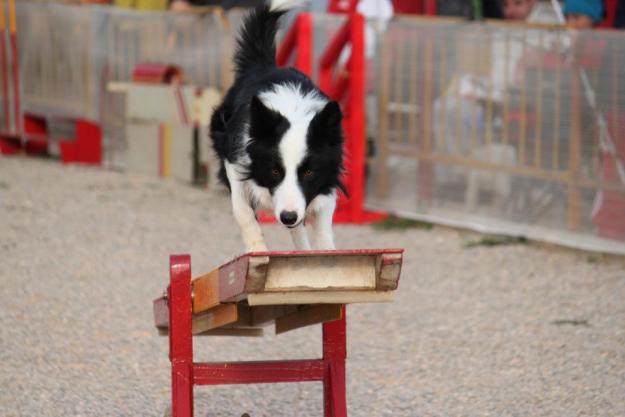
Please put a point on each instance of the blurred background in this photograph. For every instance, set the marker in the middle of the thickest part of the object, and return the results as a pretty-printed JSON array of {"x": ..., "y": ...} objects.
[{"x": 502, "y": 116}]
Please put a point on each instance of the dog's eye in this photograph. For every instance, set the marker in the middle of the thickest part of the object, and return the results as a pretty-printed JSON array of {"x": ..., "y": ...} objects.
[
  {"x": 308, "y": 173},
  {"x": 275, "y": 173}
]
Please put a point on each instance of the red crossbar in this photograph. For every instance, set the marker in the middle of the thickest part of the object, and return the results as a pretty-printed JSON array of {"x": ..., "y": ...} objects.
[
  {"x": 330, "y": 369},
  {"x": 258, "y": 372}
]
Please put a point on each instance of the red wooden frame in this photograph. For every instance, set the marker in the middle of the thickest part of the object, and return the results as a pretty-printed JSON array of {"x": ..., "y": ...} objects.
[{"x": 185, "y": 373}]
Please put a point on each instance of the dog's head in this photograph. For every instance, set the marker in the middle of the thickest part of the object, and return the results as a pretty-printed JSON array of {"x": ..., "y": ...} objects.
[{"x": 295, "y": 150}]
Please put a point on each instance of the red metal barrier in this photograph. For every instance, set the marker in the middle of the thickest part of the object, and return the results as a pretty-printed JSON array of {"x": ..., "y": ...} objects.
[
  {"x": 86, "y": 147},
  {"x": 29, "y": 132},
  {"x": 345, "y": 84},
  {"x": 185, "y": 373}
]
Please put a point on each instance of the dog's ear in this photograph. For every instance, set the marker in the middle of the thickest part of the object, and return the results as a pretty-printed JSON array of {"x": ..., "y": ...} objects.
[
  {"x": 265, "y": 124},
  {"x": 326, "y": 125}
]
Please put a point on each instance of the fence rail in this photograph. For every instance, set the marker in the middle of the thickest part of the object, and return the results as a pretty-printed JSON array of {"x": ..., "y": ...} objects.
[{"x": 501, "y": 125}]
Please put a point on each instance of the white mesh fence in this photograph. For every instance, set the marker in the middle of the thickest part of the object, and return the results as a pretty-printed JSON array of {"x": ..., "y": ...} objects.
[{"x": 506, "y": 129}]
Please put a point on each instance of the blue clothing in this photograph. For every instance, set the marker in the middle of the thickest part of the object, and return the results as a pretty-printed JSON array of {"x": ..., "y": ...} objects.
[{"x": 590, "y": 8}]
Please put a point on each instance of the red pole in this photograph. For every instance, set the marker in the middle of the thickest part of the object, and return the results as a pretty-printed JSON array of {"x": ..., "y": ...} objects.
[
  {"x": 304, "y": 58},
  {"x": 334, "y": 355},
  {"x": 430, "y": 7},
  {"x": 180, "y": 342},
  {"x": 357, "y": 136}
]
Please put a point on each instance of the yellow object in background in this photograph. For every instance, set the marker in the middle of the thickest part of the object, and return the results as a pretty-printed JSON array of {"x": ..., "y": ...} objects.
[{"x": 143, "y": 4}]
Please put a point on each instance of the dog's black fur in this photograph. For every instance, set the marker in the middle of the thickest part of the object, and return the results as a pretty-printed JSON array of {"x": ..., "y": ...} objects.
[{"x": 242, "y": 113}]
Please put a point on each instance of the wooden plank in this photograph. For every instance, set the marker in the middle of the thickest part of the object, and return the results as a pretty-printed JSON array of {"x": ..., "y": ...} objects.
[
  {"x": 206, "y": 291},
  {"x": 256, "y": 273},
  {"x": 389, "y": 270},
  {"x": 216, "y": 317},
  {"x": 232, "y": 278},
  {"x": 462, "y": 161},
  {"x": 161, "y": 312},
  {"x": 226, "y": 331},
  {"x": 223, "y": 331},
  {"x": 265, "y": 314},
  {"x": 320, "y": 297},
  {"x": 321, "y": 272},
  {"x": 244, "y": 274},
  {"x": 308, "y": 316}
]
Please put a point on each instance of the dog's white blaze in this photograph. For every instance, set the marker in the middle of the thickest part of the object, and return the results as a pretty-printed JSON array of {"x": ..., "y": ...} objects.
[
  {"x": 288, "y": 196},
  {"x": 299, "y": 109}
]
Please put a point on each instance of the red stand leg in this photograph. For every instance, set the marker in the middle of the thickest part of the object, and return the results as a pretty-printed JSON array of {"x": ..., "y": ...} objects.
[
  {"x": 334, "y": 354},
  {"x": 180, "y": 341}
]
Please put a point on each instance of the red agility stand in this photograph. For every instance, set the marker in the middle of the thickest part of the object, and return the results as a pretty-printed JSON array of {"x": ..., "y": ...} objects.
[{"x": 186, "y": 374}]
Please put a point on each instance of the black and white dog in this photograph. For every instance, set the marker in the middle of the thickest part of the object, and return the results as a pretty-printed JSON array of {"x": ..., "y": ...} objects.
[{"x": 279, "y": 140}]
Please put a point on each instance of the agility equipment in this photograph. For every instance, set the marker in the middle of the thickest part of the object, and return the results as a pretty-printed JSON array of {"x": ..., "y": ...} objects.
[{"x": 290, "y": 289}]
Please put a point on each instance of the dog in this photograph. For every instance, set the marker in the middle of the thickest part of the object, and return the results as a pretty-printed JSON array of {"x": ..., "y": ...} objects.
[{"x": 278, "y": 139}]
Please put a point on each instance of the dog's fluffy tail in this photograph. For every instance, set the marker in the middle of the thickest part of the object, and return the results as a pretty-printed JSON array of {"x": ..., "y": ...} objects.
[{"x": 256, "y": 45}]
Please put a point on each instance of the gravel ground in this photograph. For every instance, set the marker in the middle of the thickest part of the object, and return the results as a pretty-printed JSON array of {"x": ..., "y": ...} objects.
[{"x": 506, "y": 331}]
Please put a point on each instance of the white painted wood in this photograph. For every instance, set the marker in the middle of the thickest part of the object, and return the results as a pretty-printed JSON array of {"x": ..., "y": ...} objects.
[
  {"x": 321, "y": 272},
  {"x": 319, "y": 297}
]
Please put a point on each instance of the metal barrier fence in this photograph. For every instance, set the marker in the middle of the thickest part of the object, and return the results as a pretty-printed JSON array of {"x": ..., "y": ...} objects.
[
  {"x": 68, "y": 54},
  {"x": 503, "y": 128}
]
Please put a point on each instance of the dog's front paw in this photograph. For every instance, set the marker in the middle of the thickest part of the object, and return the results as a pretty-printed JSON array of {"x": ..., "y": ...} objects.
[
  {"x": 257, "y": 246},
  {"x": 324, "y": 242}
]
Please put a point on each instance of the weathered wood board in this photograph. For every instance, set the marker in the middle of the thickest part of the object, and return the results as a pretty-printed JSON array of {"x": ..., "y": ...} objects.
[{"x": 292, "y": 289}]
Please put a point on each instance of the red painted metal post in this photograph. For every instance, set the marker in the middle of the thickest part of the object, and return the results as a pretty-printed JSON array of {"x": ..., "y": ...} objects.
[
  {"x": 358, "y": 138},
  {"x": 430, "y": 7},
  {"x": 180, "y": 341},
  {"x": 35, "y": 134},
  {"x": 347, "y": 85},
  {"x": 334, "y": 354}
]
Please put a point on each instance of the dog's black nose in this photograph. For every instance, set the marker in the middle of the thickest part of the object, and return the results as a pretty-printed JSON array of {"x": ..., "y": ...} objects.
[{"x": 288, "y": 218}]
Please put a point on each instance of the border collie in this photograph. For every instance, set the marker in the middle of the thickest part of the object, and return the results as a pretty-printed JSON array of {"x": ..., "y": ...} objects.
[{"x": 279, "y": 140}]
